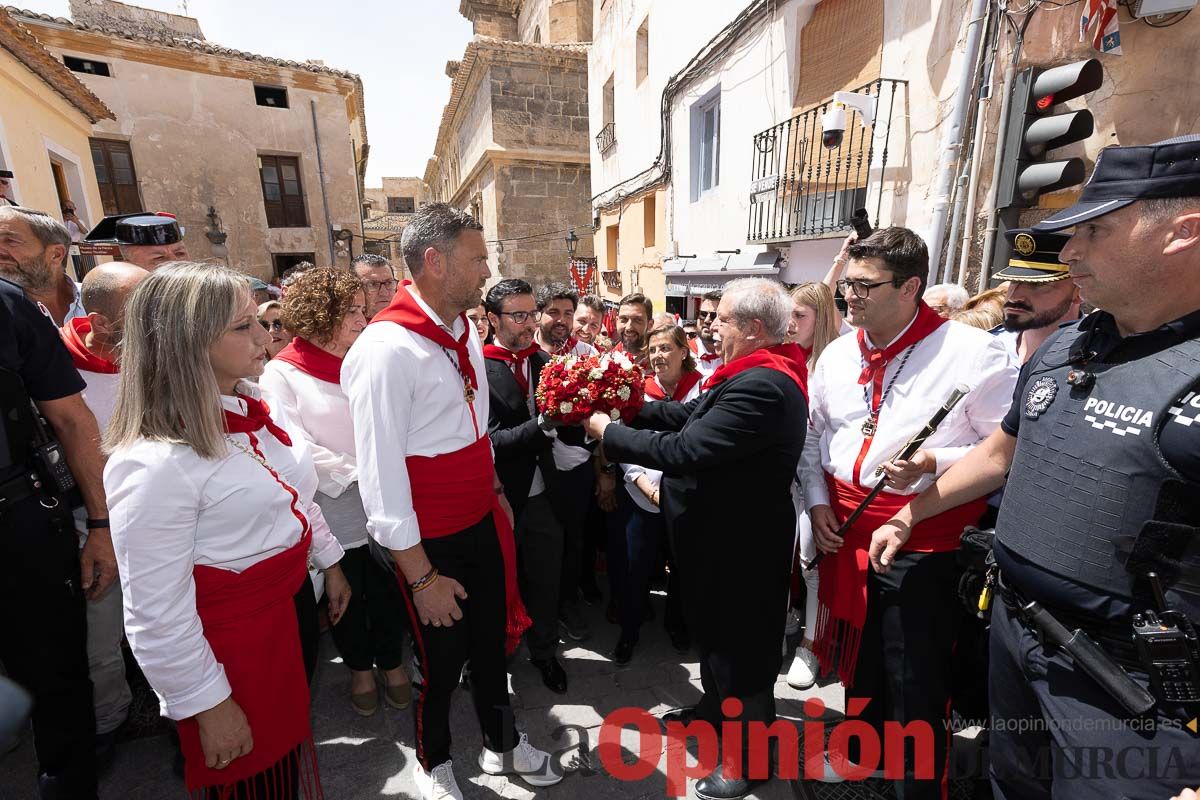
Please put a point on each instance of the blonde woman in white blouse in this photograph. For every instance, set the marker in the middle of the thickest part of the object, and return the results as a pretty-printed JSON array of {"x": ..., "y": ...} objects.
[{"x": 214, "y": 524}]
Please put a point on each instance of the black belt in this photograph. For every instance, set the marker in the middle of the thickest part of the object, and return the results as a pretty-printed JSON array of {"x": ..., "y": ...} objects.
[{"x": 1115, "y": 637}]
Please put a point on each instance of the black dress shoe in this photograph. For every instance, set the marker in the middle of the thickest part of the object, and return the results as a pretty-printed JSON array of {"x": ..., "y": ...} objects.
[
  {"x": 680, "y": 640},
  {"x": 717, "y": 787},
  {"x": 684, "y": 716},
  {"x": 553, "y": 675},
  {"x": 623, "y": 652}
]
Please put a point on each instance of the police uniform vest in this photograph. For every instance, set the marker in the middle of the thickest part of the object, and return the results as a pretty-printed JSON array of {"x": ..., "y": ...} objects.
[{"x": 1090, "y": 496}]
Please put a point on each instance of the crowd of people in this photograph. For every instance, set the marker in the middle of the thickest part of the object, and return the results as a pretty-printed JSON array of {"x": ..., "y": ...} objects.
[{"x": 372, "y": 451}]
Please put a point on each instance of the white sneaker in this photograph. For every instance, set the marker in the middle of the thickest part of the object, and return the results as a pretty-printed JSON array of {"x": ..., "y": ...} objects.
[
  {"x": 803, "y": 672},
  {"x": 793, "y": 623},
  {"x": 534, "y": 766},
  {"x": 438, "y": 784}
]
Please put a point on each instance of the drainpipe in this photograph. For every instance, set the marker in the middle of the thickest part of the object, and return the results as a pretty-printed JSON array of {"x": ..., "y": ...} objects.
[
  {"x": 985, "y": 102},
  {"x": 312, "y": 103},
  {"x": 952, "y": 139}
]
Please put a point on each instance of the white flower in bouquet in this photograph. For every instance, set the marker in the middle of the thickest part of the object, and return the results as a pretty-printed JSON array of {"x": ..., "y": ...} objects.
[
  {"x": 584, "y": 393},
  {"x": 596, "y": 374},
  {"x": 566, "y": 407},
  {"x": 623, "y": 393},
  {"x": 622, "y": 360},
  {"x": 570, "y": 361}
]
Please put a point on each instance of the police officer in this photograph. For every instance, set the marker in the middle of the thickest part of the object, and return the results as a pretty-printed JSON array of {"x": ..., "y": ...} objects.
[
  {"x": 1103, "y": 442},
  {"x": 44, "y": 577},
  {"x": 1040, "y": 298},
  {"x": 147, "y": 240}
]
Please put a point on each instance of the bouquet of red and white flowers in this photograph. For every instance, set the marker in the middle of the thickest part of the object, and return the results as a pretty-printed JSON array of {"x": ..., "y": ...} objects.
[{"x": 571, "y": 388}]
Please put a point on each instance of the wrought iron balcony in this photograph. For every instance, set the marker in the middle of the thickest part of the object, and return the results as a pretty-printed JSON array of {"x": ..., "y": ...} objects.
[
  {"x": 800, "y": 188},
  {"x": 606, "y": 138}
]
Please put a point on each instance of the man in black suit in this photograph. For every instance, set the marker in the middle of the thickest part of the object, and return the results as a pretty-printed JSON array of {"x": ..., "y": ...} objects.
[
  {"x": 729, "y": 458},
  {"x": 525, "y": 464}
]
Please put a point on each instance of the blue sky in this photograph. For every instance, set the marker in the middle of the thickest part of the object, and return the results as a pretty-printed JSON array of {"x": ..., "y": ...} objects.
[{"x": 399, "y": 47}]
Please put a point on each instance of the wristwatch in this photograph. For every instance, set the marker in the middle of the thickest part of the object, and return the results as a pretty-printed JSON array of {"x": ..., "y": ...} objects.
[
  {"x": 608, "y": 469},
  {"x": 545, "y": 423}
]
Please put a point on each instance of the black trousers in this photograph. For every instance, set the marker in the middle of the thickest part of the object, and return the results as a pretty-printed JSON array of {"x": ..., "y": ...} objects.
[
  {"x": 472, "y": 557},
  {"x": 735, "y": 673},
  {"x": 573, "y": 499},
  {"x": 905, "y": 660},
  {"x": 43, "y": 642},
  {"x": 539, "y": 537},
  {"x": 305, "y": 601},
  {"x": 371, "y": 632},
  {"x": 1056, "y": 735},
  {"x": 645, "y": 539}
]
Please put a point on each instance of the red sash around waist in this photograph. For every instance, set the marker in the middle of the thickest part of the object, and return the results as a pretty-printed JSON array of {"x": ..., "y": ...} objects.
[
  {"x": 842, "y": 588},
  {"x": 453, "y": 491},
  {"x": 249, "y": 621}
]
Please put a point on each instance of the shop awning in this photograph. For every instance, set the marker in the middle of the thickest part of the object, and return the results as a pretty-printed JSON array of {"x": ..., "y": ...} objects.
[{"x": 695, "y": 276}]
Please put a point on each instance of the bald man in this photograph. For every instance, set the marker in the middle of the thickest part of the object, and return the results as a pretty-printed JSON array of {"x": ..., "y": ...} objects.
[{"x": 94, "y": 344}]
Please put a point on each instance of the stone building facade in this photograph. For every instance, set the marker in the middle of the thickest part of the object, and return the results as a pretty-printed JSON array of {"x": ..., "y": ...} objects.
[
  {"x": 260, "y": 158},
  {"x": 512, "y": 146},
  {"x": 386, "y": 212}
]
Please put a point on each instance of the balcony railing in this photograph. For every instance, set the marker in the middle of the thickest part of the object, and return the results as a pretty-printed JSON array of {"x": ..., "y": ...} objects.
[
  {"x": 801, "y": 188},
  {"x": 606, "y": 138}
]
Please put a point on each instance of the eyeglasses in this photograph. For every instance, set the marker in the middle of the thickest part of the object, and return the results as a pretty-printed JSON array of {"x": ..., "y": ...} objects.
[
  {"x": 374, "y": 287},
  {"x": 706, "y": 315},
  {"x": 519, "y": 317},
  {"x": 277, "y": 325},
  {"x": 862, "y": 289},
  {"x": 692, "y": 334}
]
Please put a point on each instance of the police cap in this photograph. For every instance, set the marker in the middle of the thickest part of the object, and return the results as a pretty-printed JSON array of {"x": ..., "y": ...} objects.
[
  {"x": 1124, "y": 175},
  {"x": 1034, "y": 257},
  {"x": 134, "y": 230}
]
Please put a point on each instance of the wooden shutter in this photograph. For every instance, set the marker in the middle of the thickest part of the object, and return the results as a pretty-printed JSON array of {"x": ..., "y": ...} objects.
[
  {"x": 116, "y": 176},
  {"x": 294, "y": 211},
  {"x": 268, "y": 171}
]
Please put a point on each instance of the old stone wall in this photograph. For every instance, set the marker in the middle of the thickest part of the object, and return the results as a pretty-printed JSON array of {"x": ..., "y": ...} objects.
[
  {"x": 540, "y": 106},
  {"x": 543, "y": 200},
  {"x": 143, "y": 21}
]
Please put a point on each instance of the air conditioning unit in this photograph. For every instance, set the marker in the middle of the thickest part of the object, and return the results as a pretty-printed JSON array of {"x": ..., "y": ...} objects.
[{"x": 1158, "y": 8}]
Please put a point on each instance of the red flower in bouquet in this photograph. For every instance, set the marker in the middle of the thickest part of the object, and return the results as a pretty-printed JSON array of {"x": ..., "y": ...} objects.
[{"x": 573, "y": 388}]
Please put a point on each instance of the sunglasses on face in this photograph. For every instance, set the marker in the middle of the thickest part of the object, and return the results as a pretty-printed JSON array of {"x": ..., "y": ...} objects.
[
  {"x": 271, "y": 326},
  {"x": 692, "y": 334},
  {"x": 707, "y": 315}
]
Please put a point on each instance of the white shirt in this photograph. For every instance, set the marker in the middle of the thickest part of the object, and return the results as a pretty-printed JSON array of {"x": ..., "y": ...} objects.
[
  {"x": 322, "y": 414},
  {"x": 406, "y": 398},
  {"x": 633, "y": 471},
  {"x": 567, "y": 457},
  {"x": 706, "y": 368},
  {"x": 100, "y": 395},
  {"x": 172, "y": 510},
  {"x": 953, "y": 354},
  {"x": 1011, "y": 341}
]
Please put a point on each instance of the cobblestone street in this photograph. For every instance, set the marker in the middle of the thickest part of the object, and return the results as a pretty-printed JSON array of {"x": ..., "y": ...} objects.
[{"x": 373, "y": 757}]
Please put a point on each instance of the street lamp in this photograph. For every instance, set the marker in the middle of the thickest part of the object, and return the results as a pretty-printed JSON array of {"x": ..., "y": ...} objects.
[{"x": 572, "y": 243}]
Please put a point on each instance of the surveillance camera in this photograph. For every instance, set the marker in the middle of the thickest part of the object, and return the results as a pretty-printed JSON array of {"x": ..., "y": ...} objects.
[{"x": 833, "y": 127}]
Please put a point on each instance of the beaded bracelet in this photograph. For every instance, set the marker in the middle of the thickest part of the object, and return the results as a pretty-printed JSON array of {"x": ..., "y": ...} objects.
[{"x": 425, "y": 582}]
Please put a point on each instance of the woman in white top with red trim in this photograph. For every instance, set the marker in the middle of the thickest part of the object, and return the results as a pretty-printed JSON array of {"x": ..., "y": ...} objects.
[
  {"x": 214, "y": 524},
  {"x": 325, "y": 310},
  {"x": 645, "y": 532}
]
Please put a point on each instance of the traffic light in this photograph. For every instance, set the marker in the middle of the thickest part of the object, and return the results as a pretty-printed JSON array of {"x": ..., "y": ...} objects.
[{"x": 1033, "y": 130}]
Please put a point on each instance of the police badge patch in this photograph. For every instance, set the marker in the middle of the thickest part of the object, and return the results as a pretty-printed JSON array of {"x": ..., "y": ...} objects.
[{"x": 1040, "y": 396}]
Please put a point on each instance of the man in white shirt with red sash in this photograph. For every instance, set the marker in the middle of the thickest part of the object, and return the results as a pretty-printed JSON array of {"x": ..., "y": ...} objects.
[
  {"x": 704, "y": 346},
  {"x": 92, "y": 341},
  {"x": 419, "y": 399},
  {"x": 890, "y": 637}
]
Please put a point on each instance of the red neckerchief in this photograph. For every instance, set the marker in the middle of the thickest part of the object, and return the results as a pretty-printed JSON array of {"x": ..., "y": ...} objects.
[
  {"x": 405, "y": 311},
  {"x": 257, "y": 417},
  {"x": 877, "y": 359},
  {"x": 312, "y": 360},
  {"x": 655, "y": 391},
  {"x": 785, "y": 358},
  {"x": 515, "y": 359},
  {"x": 567, "y": 347},
  {"x": 73, "y": 335},
  {"x": 704, "y": 357}
]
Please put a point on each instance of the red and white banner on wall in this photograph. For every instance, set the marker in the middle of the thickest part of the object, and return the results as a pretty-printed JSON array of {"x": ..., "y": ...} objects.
[
  {"x": 1099, "y": 23},
  {"x": 583, "y": 275}
]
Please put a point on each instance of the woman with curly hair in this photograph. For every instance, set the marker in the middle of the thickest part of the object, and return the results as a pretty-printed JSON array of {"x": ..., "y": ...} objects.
[{"x": 326, "y": 311}]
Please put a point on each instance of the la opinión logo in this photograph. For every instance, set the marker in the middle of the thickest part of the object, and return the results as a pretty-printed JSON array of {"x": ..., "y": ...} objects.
[{"x": 752, "y": 758}]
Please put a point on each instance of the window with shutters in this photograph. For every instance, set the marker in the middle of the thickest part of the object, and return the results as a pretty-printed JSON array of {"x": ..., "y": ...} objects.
[
  {"x": 401, "y": 205},
  {"x": 283, "y": 193},
  {"x": 116, "y": 176}
]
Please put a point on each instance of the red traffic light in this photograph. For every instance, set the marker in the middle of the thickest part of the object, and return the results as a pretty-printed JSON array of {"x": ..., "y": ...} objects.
[{"x": 1044, "y": 102}]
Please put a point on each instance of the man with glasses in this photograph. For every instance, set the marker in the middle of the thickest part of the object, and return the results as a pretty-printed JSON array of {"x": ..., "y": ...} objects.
[
  {"x": 525, "y": 465},
  {"x": 705, "y": 346},
  {"x": 378, "y": 281},
  {"x": 893, "y": 634}
]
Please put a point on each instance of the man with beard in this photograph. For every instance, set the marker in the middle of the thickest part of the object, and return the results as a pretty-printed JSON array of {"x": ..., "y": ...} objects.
[
  {"x": 633, "y": 326},
  {"x": 145, "y": 240},
  {"x": 556, "y": 305},
  {"x": 34, "y": 248},
  {"x": 705, "y": 348},
  {"x": 589, "y": 318},
  {"x": 1040, "y": 298}
]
